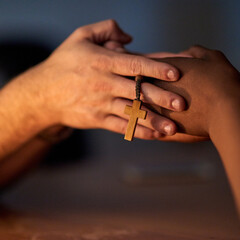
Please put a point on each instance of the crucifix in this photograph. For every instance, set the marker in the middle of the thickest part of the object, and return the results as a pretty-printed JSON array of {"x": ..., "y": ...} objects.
[{"x": 134, "y": 111}]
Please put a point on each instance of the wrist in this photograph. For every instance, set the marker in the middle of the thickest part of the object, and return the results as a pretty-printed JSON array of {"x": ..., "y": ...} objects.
[
  {"x": 22, "y": 112},
  {"x": 224, "y": 128},
  {"x": 225, "y": 105},
  {"x": 225, "y": 134},
  {"x": 55, "y": 134},
  {"x": 34, "y": 97}
]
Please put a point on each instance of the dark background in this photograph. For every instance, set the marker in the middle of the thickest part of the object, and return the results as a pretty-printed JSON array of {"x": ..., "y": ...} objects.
[{"x": 107, "y": 168}]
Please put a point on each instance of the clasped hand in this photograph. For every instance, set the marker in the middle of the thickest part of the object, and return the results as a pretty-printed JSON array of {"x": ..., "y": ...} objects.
[{"x": 84, "y": 84}]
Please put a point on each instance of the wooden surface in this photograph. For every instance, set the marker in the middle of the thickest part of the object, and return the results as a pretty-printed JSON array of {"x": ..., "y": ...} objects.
[
  {"x": 88, "y": 227},
  {"x": 92, "y": 203},
  {"x": 94, "y": 226}
]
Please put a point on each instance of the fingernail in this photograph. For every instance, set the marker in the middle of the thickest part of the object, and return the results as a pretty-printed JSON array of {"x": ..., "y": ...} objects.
[
  {"x": 176, "y": 104},
  {"x": 168, "y": 129},
  {"x": 171, "y": 75}
]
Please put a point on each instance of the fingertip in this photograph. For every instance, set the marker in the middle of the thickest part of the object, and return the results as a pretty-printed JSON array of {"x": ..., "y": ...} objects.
[
  {"x": 173, "y": 74},
  {"x": 167, "y": 72},
  {"x": 170, "y": 129},
  {"x": 178, "y": 104}
]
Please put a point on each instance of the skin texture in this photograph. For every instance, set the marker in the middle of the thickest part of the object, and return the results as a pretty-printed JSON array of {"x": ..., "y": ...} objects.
[
  {"x": 204, "y": 83},
  {"x": 211, "y": 87},
  {"x": 83, "y": 84},
  {"x": 177, "y": 137}
]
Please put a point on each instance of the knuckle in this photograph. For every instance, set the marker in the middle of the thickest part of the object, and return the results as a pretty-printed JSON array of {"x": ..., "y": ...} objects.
[
  {"x": 79, "y": 30},
  {"x": 112, "y": 23},
  {"x": 101, "y": 62},
  {"x": 198, "y": 48},
  {"x": 82, "y": 32},
  {"x": 193, "y": 48},
  {"x": 136, "y": 67},
  {"x": 121, "y": 128},
  {"x": 152, "y": 122},
  {"x": 161, "y": 72},
  {"x": 218, "y": 53},
  {"x": 102, "y": 87},
  {"x": 98, "y": 119},
  {"x": 146, "y": 134},
  {"x": 165, "y": 100}
]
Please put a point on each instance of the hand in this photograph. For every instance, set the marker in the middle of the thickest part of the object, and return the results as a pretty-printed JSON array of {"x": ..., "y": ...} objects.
[
  {"x": 178, "y": 137},
  {"x": 80, "y": 84},
  {"x": 208, "y": 82},
  {"x": 211, "y": 86}
]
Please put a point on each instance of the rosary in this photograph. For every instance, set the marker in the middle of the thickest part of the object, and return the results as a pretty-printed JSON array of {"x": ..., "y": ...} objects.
[{"x": 134, "y": 111}]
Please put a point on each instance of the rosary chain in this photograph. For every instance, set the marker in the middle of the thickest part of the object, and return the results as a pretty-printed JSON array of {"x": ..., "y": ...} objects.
[{"x": 138, "y": 80}]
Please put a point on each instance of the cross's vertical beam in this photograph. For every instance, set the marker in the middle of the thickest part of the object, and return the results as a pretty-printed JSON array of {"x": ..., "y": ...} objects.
[{"x": 135, "y": 112}]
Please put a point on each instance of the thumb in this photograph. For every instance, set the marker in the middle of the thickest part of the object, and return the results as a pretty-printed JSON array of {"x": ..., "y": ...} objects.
[
  {"x": 167, "y": 55},
  {"x": 115, "y": 46},
  {"x": 104, "y": 31}
]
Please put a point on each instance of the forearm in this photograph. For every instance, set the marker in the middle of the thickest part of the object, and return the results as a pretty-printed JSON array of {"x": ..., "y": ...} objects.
[
  {"x": 211, "y": 89},
  {"x": 30, "y": 153},
  {"x": 225, "y": 134},
  {"x": 20, "y": 116},
  {"x": 24, "y": 158}
]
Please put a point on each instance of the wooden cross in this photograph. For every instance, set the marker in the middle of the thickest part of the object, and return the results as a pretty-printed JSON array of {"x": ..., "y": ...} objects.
[{"x": 135, "y": 112}]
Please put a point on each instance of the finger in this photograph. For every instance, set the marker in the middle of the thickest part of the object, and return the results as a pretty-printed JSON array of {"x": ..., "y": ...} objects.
[
  {"x": 153, "y": 121},
  {"x": 125, "y": 88},
  {"x": 132, "y": 65},
  {"x": 182, "y": 137},
  {"x": 104, "y": 31},
  {"x": 155, "y": 95},
  {"x": 115, "y": 46},
  {"x": 167, "y": 54},
  {"x": 212, "y": 53},
  {"x": 197, "y": 51},
  {"x": 119, "y": 125}
]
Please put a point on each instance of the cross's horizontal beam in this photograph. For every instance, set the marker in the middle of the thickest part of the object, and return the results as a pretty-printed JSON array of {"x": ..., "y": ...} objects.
[{"x": 135, "y": 112}]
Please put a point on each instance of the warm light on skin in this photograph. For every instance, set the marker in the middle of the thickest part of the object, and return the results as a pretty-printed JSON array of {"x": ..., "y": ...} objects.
[
  {"x": 94, "y": 96},
  {"x": 213, "y": 98}
]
